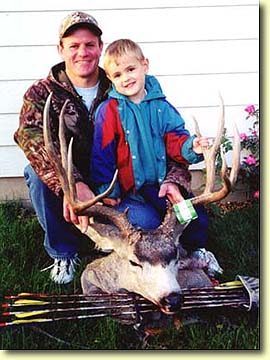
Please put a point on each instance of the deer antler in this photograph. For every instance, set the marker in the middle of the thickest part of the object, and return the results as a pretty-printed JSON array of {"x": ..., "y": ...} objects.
[
  {"x": 64, "y": 169},
  {"x": 64, "y": 166},
  {"x": 209, "y": 195}
]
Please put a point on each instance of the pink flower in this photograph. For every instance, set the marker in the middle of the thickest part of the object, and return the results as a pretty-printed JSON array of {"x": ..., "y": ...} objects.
[
  {"x": 256, "y": 194},
  {"x": 250, "y": 160},
  {"x": 243, "y": 136},
  {"x": 250, "y": 109},
  {"x": 254, "y": 133}
]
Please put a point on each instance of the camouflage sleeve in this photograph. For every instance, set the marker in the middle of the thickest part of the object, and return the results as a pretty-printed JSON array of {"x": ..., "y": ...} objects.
[
  {"x": 179, "y": 174},
  {"x": 29, "y": 136}
]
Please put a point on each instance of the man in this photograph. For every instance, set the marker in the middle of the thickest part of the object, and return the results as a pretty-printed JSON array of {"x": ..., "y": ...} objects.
[{"x": 80, "y": 80}]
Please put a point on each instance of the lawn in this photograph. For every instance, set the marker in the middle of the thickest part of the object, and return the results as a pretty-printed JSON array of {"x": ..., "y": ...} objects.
[{"x": 234, "y": 238}]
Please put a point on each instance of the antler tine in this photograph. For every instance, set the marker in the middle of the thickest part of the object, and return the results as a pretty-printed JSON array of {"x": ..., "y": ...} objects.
[
  {"x": 81, "y": 207},
  {"x": 209, "y": 195},
  {"x": 119, "y": 219},
  {"x": 89, "y": 208},
  {"x": 221, "y": 125},
  {"x": 62, "y": 137},
  {"x": 235, "y": 155},
  {"x": 169, "y": 221},
  {"x": 78, "y": 206},
  {"x": 196, "y": 126},
  {"x": 71, "y": 181},
  {"x": 64, "y": 167},
  {"x": 210, "y": 154},
  {"x": 54, "y": 157}
]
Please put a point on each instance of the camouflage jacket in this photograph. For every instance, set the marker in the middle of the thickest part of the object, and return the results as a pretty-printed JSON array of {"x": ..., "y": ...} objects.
[
  {"x": 78, "y": 121},
  {"x": 79, "y": 124}
]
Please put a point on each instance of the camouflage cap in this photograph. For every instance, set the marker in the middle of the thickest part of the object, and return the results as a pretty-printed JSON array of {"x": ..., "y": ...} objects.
[{"x": 77, "y": 18}]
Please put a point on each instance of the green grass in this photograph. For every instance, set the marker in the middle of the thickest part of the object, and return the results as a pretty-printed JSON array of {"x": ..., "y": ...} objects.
[{"x": 233, "y": 238}]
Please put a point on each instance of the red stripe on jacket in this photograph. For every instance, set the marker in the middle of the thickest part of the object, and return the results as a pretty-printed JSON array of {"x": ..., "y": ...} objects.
[
  {"x": 174, "y": 145},
  {"x": 112, "y": 130}
]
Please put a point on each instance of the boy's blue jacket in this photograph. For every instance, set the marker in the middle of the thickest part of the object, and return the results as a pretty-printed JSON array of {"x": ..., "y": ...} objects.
[{"x": 137, "y": 139}]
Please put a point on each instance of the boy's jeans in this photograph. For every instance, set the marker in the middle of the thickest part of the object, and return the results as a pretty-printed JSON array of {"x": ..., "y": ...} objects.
[
  {"x": 62, "y": 239},
  {"x": 149, "y": 213}
]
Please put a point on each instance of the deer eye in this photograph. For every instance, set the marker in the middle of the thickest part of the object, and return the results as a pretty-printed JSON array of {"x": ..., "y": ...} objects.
[{"x": 133, "y": 263}]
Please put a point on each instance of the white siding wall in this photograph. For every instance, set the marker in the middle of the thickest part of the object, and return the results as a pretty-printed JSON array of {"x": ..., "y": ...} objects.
[{"x": 196, "y": 48}]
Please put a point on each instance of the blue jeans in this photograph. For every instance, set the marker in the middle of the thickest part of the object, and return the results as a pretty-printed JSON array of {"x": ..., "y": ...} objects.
[
  {"x": 149, "y": 212},
  {"x": 61, "y": 239}
]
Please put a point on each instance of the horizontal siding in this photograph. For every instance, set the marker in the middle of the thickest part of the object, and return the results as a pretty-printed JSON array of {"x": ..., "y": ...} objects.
[
  {"x": 12, "y": 161},
  {"x": 9, "y": 123},
  {"x": 201, "y": 90},
  {"x": 182, "y": 91},
  {"x": 196, "y": 48},
  {"x": 68, "y": 5},
  {"x": 184, "y": 60},
  {"x": 156, "y": 25}
]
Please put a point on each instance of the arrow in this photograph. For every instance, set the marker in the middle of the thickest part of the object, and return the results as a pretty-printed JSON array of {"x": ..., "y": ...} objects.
[
  {"x": 226, "y": 294},
  {"x": 230, "y": 284},
  {"x": 24, "y": 314},
  {"x": 32, "y": 321},
  {"x": 189, "y": 301},
  {"x": 29, "y": 302},
  {"x": 40, "y": 295},
  {"x": 25, "y": 302},
  {"x": 227, "y": 285},
  {"x": 191, "y": 296}
]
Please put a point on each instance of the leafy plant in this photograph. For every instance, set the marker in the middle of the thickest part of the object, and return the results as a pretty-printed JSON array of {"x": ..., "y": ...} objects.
[
  {"x": 226, "y": 145},
  {"x": 249, "y": 172},
  {"x": 250, "y": 144}
]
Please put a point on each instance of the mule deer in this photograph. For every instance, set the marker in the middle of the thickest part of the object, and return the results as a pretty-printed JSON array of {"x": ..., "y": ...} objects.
[{"x": 150, "y": 263}]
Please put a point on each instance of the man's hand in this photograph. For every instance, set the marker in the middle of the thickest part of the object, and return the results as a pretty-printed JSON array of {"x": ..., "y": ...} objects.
[
  {"x": 199, "y": 143},
  {"x": 171, "y": 190},
  {"x": 83, "y": 193}
]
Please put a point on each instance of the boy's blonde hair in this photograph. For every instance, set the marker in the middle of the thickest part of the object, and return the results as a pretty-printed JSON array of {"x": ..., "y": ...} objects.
[{"x": 119, "y": 48}]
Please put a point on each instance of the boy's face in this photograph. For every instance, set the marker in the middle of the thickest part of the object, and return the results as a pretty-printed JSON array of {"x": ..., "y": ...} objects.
[{"x": 127, "y": 73}]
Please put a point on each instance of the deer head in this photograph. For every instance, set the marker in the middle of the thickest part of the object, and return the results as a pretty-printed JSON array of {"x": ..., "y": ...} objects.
[{"x": 144, "y": 262}]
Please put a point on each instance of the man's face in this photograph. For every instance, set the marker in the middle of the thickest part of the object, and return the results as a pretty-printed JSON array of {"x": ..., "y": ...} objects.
[{"x": 81, "y": 51}]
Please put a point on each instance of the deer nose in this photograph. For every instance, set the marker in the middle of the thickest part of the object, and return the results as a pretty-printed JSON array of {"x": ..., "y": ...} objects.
[{"x": 172, "y": 302}]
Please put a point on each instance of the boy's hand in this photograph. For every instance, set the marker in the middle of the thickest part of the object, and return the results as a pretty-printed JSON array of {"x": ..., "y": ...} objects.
[
  {"x": 171, "y": 190},
  {"x": 199, "y": 143}
]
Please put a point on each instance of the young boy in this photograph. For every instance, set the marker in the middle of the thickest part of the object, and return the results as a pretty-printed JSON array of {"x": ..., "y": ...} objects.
[{"x": 137, "y": 131}]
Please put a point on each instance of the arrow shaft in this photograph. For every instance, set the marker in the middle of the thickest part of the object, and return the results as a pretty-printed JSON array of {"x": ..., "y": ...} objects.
[
  {"x": 70, "y": 296},
  {"x": 224, "y": 286},
  {"x": 32, "y": 321},
  {"x": 87, "y": 308},
  {"x": 27, "y": 302}
]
